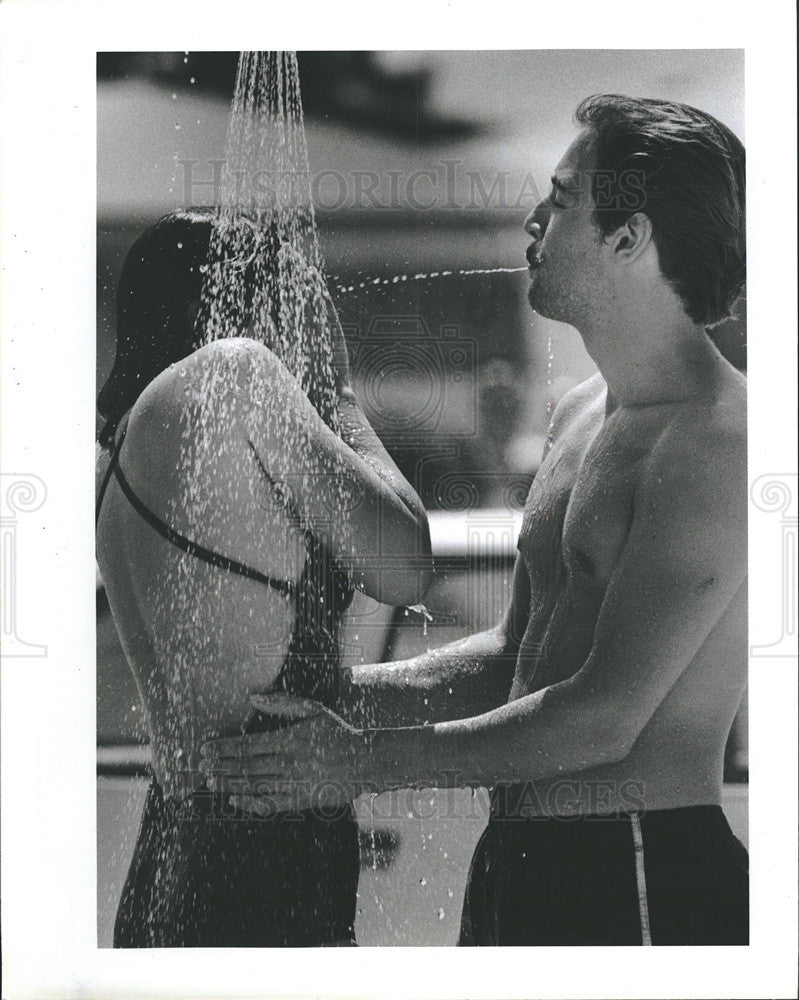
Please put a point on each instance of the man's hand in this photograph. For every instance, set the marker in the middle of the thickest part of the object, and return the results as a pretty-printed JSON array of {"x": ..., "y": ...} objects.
[{"x": 310, "y": 762}]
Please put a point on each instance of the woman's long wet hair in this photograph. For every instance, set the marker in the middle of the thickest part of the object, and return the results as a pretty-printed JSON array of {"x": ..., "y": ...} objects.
[
  {"x": 159, "y": 302},
  {"x": 157, "y": 299}
]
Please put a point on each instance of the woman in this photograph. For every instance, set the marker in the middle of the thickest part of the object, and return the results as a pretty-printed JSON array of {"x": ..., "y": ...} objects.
[{"x": 232, "y": 524}]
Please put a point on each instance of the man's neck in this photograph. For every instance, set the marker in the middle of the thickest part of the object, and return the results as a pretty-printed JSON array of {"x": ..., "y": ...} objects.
[{"x": 645, "y": 362}]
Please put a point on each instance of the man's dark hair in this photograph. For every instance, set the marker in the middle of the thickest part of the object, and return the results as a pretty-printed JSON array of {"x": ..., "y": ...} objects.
[{"x": 687, "y": 172}]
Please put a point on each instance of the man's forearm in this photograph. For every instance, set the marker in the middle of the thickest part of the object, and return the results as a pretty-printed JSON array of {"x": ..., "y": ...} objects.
[
  {"x": 464, "y": 678},
  {"x": 551, "y": 732}
]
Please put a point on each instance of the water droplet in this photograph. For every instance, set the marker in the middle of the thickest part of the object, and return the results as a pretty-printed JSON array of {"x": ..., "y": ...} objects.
[
  {"x": 192, "y": 80},
  {"x": 180, "y": 246}
]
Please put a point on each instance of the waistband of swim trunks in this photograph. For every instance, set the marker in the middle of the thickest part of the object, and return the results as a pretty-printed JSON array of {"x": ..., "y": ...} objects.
[{"x": 685, "y": 827}]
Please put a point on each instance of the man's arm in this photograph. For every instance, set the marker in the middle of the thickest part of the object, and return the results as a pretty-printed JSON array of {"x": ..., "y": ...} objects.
[
  {"x": 683, "y": 561},
  {"x": 464, "y": 678}
]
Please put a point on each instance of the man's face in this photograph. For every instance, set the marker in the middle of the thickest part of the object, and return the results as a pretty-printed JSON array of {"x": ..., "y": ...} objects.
[{"x": 567, "y": 263}]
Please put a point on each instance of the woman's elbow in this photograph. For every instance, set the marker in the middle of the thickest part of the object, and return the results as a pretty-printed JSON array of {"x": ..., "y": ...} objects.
[
  {"x": 612, "y": 744},
  {"x": 412, "y": 570}
]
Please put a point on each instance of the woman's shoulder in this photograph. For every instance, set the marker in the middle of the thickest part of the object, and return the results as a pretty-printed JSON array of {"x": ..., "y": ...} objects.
[{"x": 222, "y": 367}]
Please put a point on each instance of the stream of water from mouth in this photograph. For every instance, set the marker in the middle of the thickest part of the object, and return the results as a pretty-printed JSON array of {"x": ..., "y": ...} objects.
[{"x": 426, "y": 276}]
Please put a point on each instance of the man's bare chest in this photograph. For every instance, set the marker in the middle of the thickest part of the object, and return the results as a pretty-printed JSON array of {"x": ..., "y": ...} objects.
[{"x": 580, "y": 506}]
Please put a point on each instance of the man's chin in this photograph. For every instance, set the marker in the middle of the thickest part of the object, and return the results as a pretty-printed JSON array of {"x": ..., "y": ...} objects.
[{"x": 536, "y": 299}]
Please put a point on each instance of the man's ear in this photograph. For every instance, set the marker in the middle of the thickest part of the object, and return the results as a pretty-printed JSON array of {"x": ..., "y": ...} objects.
[{"x": 629, "y": 241}]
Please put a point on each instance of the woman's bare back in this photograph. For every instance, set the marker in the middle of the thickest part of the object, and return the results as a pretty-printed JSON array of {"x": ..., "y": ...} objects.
[{"x": 199, "y": 639}]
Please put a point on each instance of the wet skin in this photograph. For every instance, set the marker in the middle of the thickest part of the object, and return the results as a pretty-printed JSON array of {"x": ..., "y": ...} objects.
[
  {"x": 199, "y": 639},
  {"x": 577, "y": 520},
  {"x": 622, "y": 659}
]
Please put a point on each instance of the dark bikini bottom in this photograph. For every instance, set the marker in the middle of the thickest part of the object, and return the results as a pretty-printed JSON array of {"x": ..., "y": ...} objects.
[{"x": 206, "y": 875}]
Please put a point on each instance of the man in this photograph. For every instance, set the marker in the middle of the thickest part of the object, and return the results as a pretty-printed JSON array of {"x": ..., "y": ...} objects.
[{"x": 624, "y": 648}]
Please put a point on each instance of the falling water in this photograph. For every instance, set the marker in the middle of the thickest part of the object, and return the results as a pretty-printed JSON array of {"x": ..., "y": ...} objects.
[
  {"x": 262, "y": 280},
  {"x": 264, "y": 272},
  {"x": 550, "y": 361}
]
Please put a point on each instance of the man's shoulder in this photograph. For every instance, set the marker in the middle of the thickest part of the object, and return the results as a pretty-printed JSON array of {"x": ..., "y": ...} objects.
[
  {"x": 702, "y": 450},
  {"x": 576, "y": 401},
  {"x": 710, "y": 428}
]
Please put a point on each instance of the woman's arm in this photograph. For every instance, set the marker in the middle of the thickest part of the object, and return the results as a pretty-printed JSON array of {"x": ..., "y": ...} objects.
[
  {"x": 370, "y": 519},
  {"x": 464, "y": 678},
  {"x": 354, "y": 427},
  {"x": 681, "y": 566}
]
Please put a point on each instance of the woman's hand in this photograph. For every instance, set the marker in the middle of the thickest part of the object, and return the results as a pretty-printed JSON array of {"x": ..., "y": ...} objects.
[
  {"x": 313, "y": 761},
  {"x": 340, "y": 360},
  {"x": 320, "y": 313}
]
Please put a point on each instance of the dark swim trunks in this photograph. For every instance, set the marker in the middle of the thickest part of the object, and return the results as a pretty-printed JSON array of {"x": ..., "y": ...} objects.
[
  {"x": 675, "y": 876},
  {"x": 205, "y": 875}
]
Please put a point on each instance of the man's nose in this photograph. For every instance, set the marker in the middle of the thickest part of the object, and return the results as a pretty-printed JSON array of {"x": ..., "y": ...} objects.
[{"x": 538, "y": 217}]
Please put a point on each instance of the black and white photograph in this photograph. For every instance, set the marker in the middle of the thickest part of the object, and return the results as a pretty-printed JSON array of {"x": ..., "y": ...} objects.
[{"x": 443, "y": 545}]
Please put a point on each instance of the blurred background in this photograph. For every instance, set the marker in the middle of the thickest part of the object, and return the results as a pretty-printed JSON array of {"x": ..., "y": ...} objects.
[{"x": 421, "y": 162}]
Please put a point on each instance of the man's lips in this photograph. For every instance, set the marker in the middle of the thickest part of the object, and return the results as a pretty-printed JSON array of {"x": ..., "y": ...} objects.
[{"x": 534, "y": 256}]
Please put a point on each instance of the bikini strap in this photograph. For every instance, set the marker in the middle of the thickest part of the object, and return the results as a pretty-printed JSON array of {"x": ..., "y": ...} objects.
[
  {"x": 284, "y": 587},
  {"x": 120, "y": 437}
]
